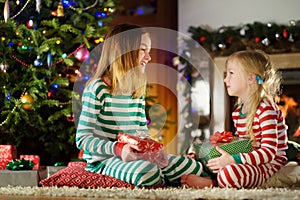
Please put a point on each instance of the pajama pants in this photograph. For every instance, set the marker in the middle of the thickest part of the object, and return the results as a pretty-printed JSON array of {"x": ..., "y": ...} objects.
[
  {"x": 245, "y": 176},
  {"x": 144, "y": 173}
]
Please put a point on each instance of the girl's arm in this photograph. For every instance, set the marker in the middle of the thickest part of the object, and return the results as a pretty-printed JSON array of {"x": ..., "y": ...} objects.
[
  {"x": 266, "y": 126},
  {"x": 87, "y": 126}
]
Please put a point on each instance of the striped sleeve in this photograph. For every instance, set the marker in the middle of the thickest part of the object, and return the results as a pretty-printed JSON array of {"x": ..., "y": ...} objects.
[
  {"x": 87, "y": 125},
  {"x": 270, "y": 135}
]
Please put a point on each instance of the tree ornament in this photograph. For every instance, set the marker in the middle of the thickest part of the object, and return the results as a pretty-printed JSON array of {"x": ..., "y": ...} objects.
[
  {"x": 29, "y": 24},
  {"x": 202, "y": 39},
  {"x": 257, "y": 39},
  {"x": 3, "y": 67},
  {"x": 222, "y": 45},
  {"x": 38, "y": 62},
  {"x": 243, "y": 30},
  {"x": 266, "y": 42},
  {"x": 6, "y": 11},
  {"x": 38, "y": 5},
  {"x": 60, "y": 10},
  {"x": 292, "y": 22},
  {"x": 82, "y": 54},
  {"x": 285, "y": 33},
  {"x": 27, "y": 101},
  {"x": 291, "y": 38},
  {"x": 49, "y": 59}
]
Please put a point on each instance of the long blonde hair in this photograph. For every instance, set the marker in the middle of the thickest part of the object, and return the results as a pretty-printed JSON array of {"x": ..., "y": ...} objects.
[
  {"x": 119, "y": 61},
  {"x": 258, "y": 63}
]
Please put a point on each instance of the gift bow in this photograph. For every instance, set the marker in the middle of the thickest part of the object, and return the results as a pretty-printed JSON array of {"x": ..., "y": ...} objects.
[
  {"x": 225, "y": 136},
  {"x": 20, "y": 165}
]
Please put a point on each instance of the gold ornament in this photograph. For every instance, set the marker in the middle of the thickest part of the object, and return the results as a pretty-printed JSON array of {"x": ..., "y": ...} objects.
[
  {"x": 27, "y": 101},
  {"x": 60, "y": 10},
  {"x": 6, "y": 10}
]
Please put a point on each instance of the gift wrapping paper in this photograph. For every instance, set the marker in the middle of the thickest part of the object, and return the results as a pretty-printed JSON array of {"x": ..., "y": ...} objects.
[
  {"x": 151, "y": 150},
  {"x": 7, "y": 154},
  {"x": 206, "y": 151},
  {"x": 145, "y": 143},
  {"x": 34, "y": 158}
]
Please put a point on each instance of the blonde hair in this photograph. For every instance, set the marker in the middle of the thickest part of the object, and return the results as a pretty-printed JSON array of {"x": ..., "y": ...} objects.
[
  {"x": 258, "y": 63},
  {"x": 119, "y": 61}
]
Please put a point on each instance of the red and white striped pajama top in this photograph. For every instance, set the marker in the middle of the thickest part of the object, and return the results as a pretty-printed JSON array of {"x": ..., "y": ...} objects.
[{"x": 269, "y": 155}]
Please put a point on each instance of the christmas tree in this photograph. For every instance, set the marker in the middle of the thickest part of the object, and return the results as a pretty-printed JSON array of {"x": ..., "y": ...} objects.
[{"x": 43, "y": 44}]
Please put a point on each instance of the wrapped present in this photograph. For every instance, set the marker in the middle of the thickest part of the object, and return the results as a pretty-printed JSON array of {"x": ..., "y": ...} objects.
[
  {"x": 7, "y": 154},
  {"x": 34, "y": 158},
  {"x": 150, "y": 149},
  {"x": 207, "y": 151},
  {"x": 145, "y": 143},
  {"x": 24, "y": 178}
]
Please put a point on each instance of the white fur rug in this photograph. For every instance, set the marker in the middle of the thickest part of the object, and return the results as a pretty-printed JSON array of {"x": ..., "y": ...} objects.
[{"x": 166, "y": 193}]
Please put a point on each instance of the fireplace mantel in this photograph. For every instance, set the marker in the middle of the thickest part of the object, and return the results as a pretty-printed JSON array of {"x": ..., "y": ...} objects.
[{"x": 220, "y": 100}]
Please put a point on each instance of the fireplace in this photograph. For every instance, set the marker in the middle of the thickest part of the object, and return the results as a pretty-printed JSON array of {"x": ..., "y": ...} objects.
[{"x": 289, "y": 101}]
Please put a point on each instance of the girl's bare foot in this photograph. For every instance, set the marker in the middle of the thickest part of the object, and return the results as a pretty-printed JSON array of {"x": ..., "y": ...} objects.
[{"x": 194, "y": 181}]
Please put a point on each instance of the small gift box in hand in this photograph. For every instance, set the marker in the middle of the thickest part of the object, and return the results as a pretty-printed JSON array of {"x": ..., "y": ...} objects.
[
  {"x": 150, "y": 149},
  {"x": 226, "y": 141}
]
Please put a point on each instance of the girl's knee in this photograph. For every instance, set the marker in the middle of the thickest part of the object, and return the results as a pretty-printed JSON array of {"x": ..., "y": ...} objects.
[
  {"x": 150, "y": 178},
  {"x": 226, "y": 177}
]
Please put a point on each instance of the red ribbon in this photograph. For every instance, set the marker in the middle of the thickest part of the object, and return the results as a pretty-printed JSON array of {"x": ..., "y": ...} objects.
[{"x": 225, "y": 136}]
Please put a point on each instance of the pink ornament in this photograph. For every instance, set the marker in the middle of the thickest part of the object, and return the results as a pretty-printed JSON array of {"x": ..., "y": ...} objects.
[{"x": 82, "y": 54}]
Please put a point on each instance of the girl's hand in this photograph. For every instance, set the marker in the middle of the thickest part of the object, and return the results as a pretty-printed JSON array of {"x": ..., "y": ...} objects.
[
  {"x": 162, "y": 161},
  {"x": 129, "y": 153},
  {"x": 216, "y": 163}
]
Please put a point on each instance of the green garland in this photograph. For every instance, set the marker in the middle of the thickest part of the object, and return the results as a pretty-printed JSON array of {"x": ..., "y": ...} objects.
[{"x": 270, "y": 37}]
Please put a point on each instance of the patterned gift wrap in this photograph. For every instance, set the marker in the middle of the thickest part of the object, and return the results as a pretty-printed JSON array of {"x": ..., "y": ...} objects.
[
  {"x": 151, "y": 150},
  {"x": 206, "y": 151},
  {"x": 146, "y": 144},
  {"x": 7, "y": 154}
]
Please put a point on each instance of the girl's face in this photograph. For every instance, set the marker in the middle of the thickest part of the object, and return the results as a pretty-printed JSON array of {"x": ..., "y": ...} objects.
[
  {"x": 145, "y": 47},
  {"x": 236, "y": 82}
]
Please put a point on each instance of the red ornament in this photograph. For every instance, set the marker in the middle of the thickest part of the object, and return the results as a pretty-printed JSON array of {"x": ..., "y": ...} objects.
[
  {"x": 49, "y": 94},
  {"x": 257, "y": 39},
  {"x": 202, "y": 39},
  {"x": 285, "y": 33},
  {"x": 29, "y": 24}
]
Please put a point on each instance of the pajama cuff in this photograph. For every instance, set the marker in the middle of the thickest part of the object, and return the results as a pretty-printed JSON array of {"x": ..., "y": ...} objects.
[
  {"x": 237, "y": 158},
  {"x": 118, "y": 148}
]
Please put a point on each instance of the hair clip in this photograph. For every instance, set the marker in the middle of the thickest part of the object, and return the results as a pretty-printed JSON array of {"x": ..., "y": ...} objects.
[{"x": 259, "y": 80}]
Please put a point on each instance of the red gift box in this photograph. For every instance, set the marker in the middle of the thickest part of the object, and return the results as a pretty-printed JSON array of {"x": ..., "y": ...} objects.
[
  {"x": 7, "y": 154},
  {"x": 145, "y": 143},
  {"x": 150, "y": 149},
  {"x": 34, "y": 158}
]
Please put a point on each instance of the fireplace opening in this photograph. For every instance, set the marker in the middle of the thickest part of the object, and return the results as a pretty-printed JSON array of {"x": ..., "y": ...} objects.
[{"x": 289, "y": 102}]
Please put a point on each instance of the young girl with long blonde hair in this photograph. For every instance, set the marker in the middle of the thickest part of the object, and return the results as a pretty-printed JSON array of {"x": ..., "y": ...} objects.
[{"x": 251, "y": 77}]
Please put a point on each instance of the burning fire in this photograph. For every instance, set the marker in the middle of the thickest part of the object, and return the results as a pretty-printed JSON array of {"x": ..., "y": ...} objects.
[{"x": 288, "y": 105}]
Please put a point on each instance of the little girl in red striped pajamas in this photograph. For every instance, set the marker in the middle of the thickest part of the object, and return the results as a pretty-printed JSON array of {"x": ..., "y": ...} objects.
[{"x": 251, "y": 77}]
